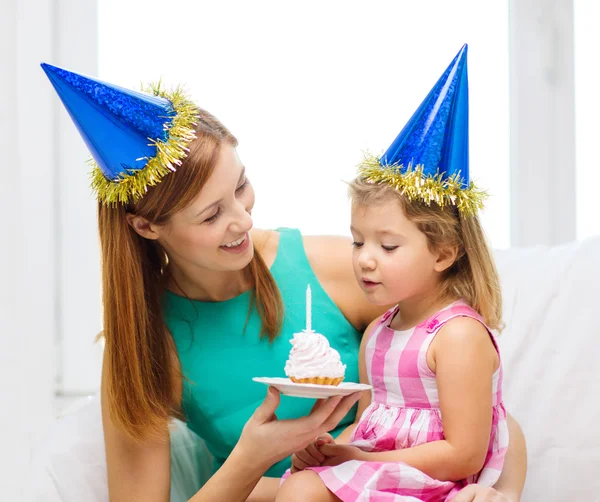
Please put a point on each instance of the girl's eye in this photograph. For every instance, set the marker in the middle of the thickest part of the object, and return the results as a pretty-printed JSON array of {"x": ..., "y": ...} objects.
[
  {"x": 242, "y": 186},
  {"x": 389, "y": 248},
  {"x": 213, "y": 217},
  {"x": 357, "y": 244}
]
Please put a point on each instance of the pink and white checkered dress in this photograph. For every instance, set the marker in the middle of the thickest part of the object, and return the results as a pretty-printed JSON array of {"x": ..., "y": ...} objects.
[{"x": 405, "y": 412}]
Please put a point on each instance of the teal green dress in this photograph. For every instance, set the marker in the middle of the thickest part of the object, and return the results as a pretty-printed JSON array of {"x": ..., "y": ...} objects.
[{"x": 220, "y": 353}]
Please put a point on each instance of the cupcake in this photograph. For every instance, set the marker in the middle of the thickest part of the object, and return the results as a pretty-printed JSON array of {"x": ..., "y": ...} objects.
[{"x": 312, "y": 360}]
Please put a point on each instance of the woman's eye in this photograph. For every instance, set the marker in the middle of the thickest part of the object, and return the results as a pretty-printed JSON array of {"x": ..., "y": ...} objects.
[
  {"x": 389, "y": 248},
  {"x": 357, "y": 244},
  {"x": 213, "y": 217}
]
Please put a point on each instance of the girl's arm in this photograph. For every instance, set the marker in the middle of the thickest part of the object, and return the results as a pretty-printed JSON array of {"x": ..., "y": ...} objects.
[
  {"x": 511, "y": 482},
  {"x": 365, "y": 398},
  {"x": 465, "y": 360}
]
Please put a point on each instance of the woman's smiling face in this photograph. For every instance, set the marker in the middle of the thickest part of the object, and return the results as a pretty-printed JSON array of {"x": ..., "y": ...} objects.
[{"x": 213, "y": 231}]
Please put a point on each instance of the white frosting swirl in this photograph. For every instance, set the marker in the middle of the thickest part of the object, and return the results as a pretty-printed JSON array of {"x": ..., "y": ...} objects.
[{"x": 311, "y": 356}]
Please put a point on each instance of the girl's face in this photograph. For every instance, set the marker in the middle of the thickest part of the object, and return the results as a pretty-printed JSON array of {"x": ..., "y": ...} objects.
[
  {"x": 391, "y": 259},
  {"x": 213, "y": 232}
]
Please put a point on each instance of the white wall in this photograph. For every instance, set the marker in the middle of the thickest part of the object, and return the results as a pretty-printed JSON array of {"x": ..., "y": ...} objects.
[
  {"x": 542, "y": 124},
  {"x": 307, "y": 86},
  {"x": 587, "y": 108},
  {"x": 27, "y": 246},
  {"x": 79, "y": 256}
]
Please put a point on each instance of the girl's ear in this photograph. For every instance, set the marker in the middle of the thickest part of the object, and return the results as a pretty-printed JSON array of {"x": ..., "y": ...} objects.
[
  {"x": 143, "y": 227},
  {"x": 446, "y": 256}
]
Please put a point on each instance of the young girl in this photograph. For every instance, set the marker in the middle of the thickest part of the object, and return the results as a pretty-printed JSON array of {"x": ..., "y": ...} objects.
[{"x": 436, "y": 421}]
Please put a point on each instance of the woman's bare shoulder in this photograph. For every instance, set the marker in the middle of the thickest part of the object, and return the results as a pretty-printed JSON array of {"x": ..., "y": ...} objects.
[
  {"x": 323, "y": 251},
  {"x": 331, "y": 259},
  {"x": 266, "y": 243}
]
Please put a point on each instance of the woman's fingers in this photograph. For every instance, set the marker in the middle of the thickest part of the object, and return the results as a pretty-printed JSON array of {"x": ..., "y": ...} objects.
[
  {"x": 340, "y": 411},
  {"x": 266, "y": 411},
  {"x": 321, "y": 411},
  {"x": 324, "y": 439},
  {"x": 319, "y": 403},
  {"x": 275, "y": 439},
  {"x": 476, "y": 493},
  {"x": 326, "y": 415}
]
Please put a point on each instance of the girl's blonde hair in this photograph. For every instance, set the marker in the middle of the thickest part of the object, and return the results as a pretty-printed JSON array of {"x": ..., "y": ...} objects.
[
  {"x": 140, "y": 353},
  {"x": 473, "y": 276}
]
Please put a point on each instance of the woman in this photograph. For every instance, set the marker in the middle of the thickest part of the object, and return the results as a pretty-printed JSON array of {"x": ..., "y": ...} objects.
[{"x": 194, "y": 298}]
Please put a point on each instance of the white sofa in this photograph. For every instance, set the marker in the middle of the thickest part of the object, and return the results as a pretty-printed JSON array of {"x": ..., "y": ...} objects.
[
  {"x": 552, "y": 384},
  {"x": 552, "y": 376},
  {"x": 69, "y": 464}
]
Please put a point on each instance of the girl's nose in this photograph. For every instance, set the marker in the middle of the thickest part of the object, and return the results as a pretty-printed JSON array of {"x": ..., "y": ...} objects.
[{"x": 366, "y": 260}]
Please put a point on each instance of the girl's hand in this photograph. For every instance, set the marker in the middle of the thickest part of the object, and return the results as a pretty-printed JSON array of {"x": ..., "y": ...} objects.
[
  {"x": 476, "y": 493},
  {"x": 339, "y": 453},
  {"x": 311, "y": 456},
  {"x": 266, "y": 440}
]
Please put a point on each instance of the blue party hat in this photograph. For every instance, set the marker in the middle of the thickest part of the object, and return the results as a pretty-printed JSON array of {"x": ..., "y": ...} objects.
[
  {"x": 135, "y": 138},
  {"x": 429, "y": 159}
]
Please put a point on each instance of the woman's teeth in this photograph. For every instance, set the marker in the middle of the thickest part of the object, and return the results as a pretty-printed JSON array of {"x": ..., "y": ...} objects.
[{"x": 235, "y": 243}]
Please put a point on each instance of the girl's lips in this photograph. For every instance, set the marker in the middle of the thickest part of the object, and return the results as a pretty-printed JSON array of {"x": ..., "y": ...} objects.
[{"x": 370, "y": 284}]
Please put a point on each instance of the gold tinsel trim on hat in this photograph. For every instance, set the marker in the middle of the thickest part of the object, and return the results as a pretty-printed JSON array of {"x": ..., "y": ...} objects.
[
  {"x": 130, "y": 186},
  {"x": 412, "y": 182}
]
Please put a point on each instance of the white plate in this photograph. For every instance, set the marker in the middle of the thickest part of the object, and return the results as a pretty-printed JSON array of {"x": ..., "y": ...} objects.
[{"x": 286, "y": 386}]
